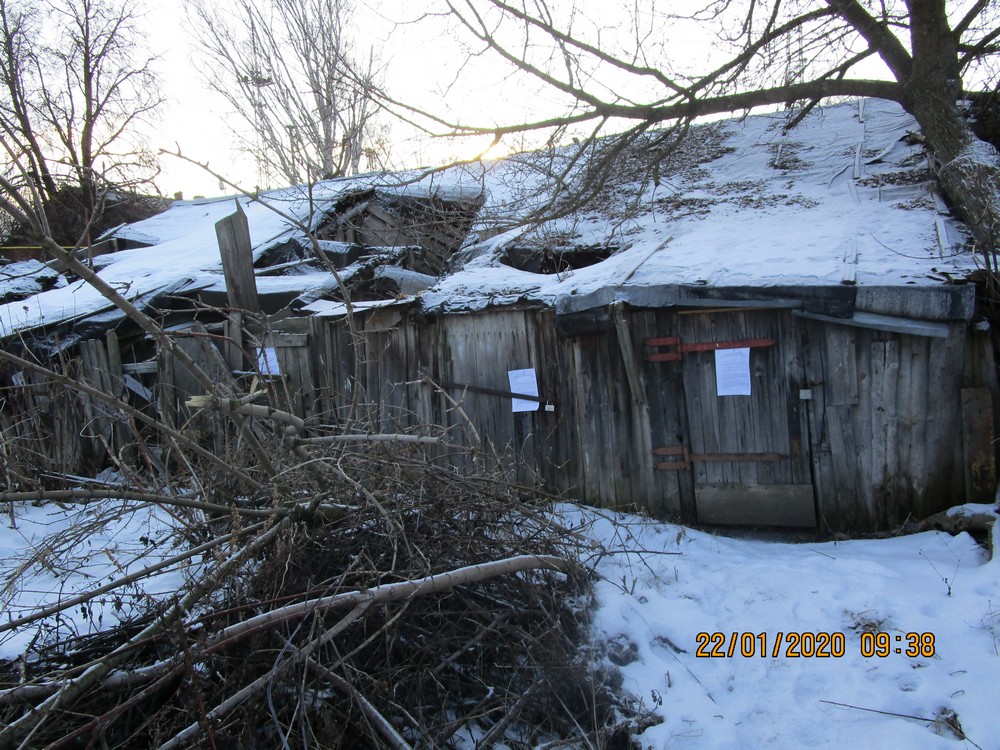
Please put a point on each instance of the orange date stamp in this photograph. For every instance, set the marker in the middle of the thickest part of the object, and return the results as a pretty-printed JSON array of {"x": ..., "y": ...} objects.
[{"x": 812, "y": 645}]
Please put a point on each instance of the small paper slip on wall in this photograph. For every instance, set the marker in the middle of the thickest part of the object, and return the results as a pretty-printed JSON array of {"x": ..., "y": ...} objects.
[
  {"x": 267, "y": 361},
  {"x": 525, "y": 383}
]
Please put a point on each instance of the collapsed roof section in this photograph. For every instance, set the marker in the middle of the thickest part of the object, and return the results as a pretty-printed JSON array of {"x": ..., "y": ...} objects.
[
  {"x": 434, "y": 224},
  {"x": 383, "y": 238}
]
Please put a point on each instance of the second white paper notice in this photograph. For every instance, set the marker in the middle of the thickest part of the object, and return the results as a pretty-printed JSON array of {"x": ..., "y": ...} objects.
[{"x": 732, "y": 372}]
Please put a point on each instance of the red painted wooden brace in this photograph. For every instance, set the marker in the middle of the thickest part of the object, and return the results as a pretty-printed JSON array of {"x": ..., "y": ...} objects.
[{"x": 680, "y": 349}]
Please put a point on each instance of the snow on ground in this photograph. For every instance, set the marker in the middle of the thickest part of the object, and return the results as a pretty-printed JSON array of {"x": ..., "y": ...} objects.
[
  {"x": 50, "y": 553},
  {"x": 662, "y": 585}
]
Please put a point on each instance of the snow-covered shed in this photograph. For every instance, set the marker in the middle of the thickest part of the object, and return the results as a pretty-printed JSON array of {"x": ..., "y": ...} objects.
[
  {"x": 781, "y": 330},
  {"x": 777, "y": 328}
]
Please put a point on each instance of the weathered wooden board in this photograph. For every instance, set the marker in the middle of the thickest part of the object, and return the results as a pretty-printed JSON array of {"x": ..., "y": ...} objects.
[
  {"x": 674, "y": 491},
  {"x": 233, "y": 233},
  {"x": 761, "y": 505},
  {"x": 641, "y": 439},
  {"x": 840, "y": 368},
  {"x": 176, "y": 384},
  {"x": 298, "y": 382},
  {"x": 979, "y": 453},
  {"x": 883, "y": 440}
]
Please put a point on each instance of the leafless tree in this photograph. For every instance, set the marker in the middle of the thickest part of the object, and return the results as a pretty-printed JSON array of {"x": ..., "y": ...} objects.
[
  {"x": 74, "y": 86},
  {"x": 644, "y": 74},
  {"x": 291, "y": 72}
]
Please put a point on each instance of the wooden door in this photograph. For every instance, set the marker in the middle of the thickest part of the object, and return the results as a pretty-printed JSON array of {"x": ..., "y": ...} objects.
[{"x": 748, "y": 454}]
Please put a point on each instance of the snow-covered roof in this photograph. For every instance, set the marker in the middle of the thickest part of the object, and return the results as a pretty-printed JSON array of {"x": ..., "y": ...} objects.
[{"x": 845, "y": 198}]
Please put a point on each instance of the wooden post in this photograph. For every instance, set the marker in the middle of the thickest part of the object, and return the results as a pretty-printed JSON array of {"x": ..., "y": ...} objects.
[
  {"x": 233, "y": 341},
  {"x": 116, "y": 387},
  {"x": 237, "y": 261}
]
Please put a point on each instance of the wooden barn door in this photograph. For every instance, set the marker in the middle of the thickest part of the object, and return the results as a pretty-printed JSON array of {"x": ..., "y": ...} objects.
[{"x": 748, "y": 453}]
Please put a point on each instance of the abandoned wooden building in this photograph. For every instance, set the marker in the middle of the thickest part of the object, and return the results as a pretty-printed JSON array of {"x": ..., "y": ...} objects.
[{"x": 781, "y": 329}]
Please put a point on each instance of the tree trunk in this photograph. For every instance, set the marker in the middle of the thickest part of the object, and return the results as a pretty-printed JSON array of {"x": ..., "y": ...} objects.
[{"x": 969, "y": 168}]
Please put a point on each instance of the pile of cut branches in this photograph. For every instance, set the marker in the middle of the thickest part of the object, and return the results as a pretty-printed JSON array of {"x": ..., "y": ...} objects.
[{"x": 394, "y": 603}]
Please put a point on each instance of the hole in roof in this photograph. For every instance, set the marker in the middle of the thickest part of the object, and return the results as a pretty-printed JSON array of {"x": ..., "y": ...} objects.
[{"x": 551, "y": 261}]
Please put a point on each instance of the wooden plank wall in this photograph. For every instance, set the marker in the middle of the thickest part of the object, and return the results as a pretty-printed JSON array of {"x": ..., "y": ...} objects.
[
  {"x": 40, "y": 423},
  {"x": 61, "y": 431},
  {"x": 176, "y": 384},
  {"x": 886, "y": 427},
  {"x": 879, "y": 427}
]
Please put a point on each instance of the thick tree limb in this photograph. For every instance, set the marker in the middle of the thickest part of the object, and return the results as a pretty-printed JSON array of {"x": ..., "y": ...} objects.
[{"x": 392, "y": 592}]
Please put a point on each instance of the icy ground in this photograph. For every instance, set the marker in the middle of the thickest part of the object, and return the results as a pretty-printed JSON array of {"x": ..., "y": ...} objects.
[{"x": 663, "y": 585}]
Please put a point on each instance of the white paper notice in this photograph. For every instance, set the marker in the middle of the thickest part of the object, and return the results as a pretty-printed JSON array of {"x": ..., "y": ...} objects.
[
  {"x": 732, "y": 372},
  {"x": 267, "y": 361},
  {"x": 525, "y": 383}
]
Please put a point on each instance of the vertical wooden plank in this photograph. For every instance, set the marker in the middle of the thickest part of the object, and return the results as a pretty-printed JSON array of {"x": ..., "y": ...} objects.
[
  {"x": 531, "y": 428},
  {"x": 841, "y": 366},
  {"x": 232, "y": 347},
  {"x": 165, "y": 388},
  {"x": 860, "y": 510},
  {"x": 95, "y": 423},
  {"x": 425, "y": 363},
  {"x": 883, "y": 421},
  {"x": 912, "y": 396},
  {"x": 944, "y": 482},
  {"x": 323, "y": 368},
  {"x": 700, "y": 402},
  {"x": 800, "y": 467},
  {"x": 977, "y": 443},
  {"x": 292, "y": 351},
  {"x": 812, "y": 336},
  {"x": 116, "y": 387},
  {"x": 236, "y": 249},
  {"x": 635, "y": 411},
  {"x": 602, "y": 453},
  {"x": 668, "y": 415},
  {"x": 342, "y": 357},
  {"x": 551, "y": 457},
  {"x": 586, "y": 461}
]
